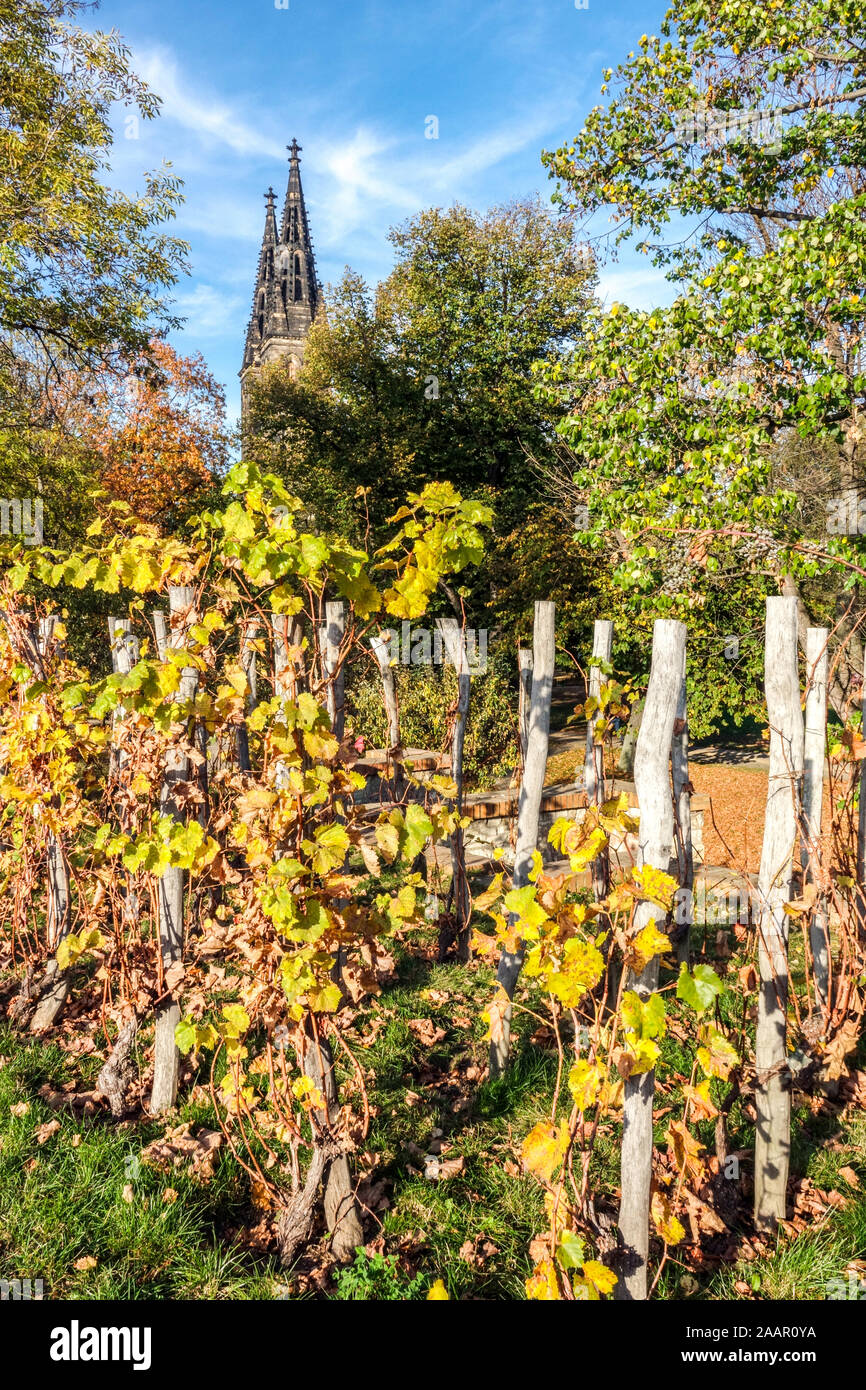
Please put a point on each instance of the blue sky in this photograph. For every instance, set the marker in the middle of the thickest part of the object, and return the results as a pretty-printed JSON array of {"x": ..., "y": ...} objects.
[{"x": 355, "y": 81}]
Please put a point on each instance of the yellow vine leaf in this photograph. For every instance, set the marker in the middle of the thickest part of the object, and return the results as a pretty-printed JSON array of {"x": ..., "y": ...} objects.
[
  {"x": 584, "y": 1082},
  {"x": 544, "y": 1149},
  {"x": 648, "y": 944},
  {"x": 666, "y": 1224},
  {"x": 542, "y": 1283},
  {"x": 599, "y": 1276}
]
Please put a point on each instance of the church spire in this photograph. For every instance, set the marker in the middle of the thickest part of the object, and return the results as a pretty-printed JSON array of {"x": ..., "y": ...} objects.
[{"x": 287, "y": 290}]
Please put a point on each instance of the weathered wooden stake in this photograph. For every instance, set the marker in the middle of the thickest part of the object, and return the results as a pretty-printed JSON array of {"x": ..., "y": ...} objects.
[
  {"x": 657, "y": 847},
  {"x": 524, "y": 707},
  {"x": 54, "y": 987},
  {"x": 454, "y": 642},
  {"x": 625, "y": 765},
  {"x": 772, "y": 1083},
  {"x": 124, "y": 656},
  {"x": 593, "y": 769},
  {"x": 382, "y": 653},
  {"x": 334, "y": 632},
  {"x": 814, "y": 752},
  {"x": 166, "y": 1059},
  {"x": 248, "y": 665},
  {"x": 860, "y": 898},
  {"x": 284, "y": 677},
  {"x": 684, "y": 914},
  {"x": 160, "y": 632},
  {"x": 528, "y": 806}
]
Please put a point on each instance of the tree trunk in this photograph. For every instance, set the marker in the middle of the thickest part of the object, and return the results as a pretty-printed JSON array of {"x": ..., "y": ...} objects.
[
  {"x": 772, "y": 1093},
  {"x": 814, "y": 752},
  {"x": 657, "y": 847},
  {"x": 529, "y": 804}
]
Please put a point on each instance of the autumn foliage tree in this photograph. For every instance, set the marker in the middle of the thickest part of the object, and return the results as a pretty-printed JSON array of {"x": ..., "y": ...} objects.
[{"x": 160, "y": 434}]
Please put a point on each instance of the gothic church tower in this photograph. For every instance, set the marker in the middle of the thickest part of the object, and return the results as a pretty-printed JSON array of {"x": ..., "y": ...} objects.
[{"x": 287, "y": 291}]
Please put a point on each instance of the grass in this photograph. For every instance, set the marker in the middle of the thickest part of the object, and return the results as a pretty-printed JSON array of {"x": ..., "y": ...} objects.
[{"x": 65, "y": 1200}]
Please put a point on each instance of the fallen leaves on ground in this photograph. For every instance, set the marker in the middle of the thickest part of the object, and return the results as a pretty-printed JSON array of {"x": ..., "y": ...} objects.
[
  {"x": 179, "y": 1146},
  {"x": 426, "y": 1031}
]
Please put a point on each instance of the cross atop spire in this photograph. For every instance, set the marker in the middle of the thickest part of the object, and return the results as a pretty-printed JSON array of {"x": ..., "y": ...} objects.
[
  {"x": 270, "y": 199},
  {"x": 294, "y": 150}
]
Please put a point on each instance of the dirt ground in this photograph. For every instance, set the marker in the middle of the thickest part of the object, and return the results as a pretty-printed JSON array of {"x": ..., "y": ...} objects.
[{"x": 735, "y": 828}]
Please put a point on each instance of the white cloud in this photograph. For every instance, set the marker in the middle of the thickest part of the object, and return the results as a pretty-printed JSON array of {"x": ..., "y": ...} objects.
[
  {"x": 209, "y": 312},
  {"x": 204, "y": 114}
]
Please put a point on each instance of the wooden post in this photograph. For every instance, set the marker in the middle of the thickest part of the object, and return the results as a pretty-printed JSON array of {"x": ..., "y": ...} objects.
[
  {"x": 814, "y": 752},
  {"x": 124, "y": 656},
  {"x": 166, "y": 1059},
  {"x": 283, "y": 678},
  {"x": 334, "y": 632},
  {"x": 454, "y": 642},
  {"x": 54, "y": 987},
  {"x": 593, "y": 770},
  {"x": 772, "y": 1084},
  {"x": 382, "y": 653},
  {"x": 529, "y": 804},
  {"x": 860, "y": 896},
  {"x": 524, "y": 707},
  {"x": 394, "y": 766},
  {"x": 684, "y": 915},
  {"x": 160, "y": 632},
  {"x": 248, "y": 666},
  {"x": 625, "y": 766},
  {"x": 656, "y": 848}
]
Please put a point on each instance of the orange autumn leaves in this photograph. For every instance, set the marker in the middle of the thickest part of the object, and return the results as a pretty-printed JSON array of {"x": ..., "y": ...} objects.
[{"x": 159, "y": 432}]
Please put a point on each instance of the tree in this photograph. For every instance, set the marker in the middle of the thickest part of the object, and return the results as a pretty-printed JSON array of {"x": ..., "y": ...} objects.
[
  {"x": 84, "y": 266},
  {"x": 159, "y": 433},
  {"x": 748, "y": 127},
  {"x": 431, "y": 376},
  {"x": 85, "y": 270}
]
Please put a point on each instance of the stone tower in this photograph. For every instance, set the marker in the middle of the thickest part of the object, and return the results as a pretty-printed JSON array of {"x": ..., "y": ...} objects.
[{"x": 287, "y": 291}]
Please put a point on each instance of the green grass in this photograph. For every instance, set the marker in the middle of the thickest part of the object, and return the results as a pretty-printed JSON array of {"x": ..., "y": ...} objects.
[{"x": 64, "y": 1200}]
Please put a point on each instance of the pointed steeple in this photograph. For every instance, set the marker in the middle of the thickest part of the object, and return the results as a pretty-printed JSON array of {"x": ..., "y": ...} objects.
[
  {"x": 262, "y": 299},
  {"x": 287, "y": 290}
]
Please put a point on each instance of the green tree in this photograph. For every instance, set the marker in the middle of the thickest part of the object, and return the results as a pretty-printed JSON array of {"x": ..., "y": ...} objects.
[
  {"x": 83, "y": 266},
  {"x": 431, "y": 376},
  {"x": 85, "y": 270},
  {"x": 734, "y": 149}
]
